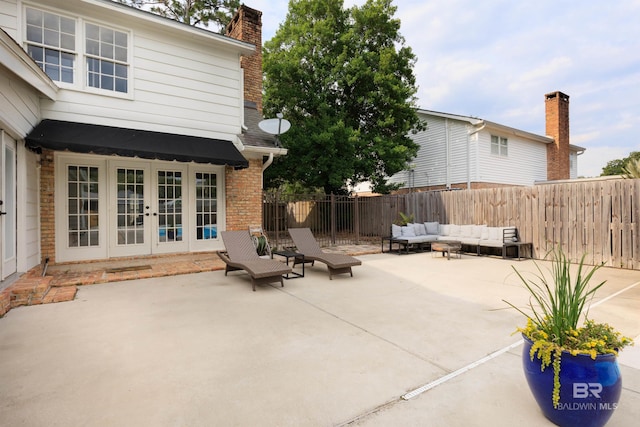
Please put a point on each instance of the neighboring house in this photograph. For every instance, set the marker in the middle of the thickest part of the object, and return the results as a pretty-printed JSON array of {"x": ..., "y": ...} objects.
[
  {"x": 468, "y": 152},
  {"x": 124, "y": 133}
]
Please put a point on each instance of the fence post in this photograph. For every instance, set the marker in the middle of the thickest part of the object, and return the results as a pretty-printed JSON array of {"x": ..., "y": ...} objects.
[
  {"x": 277, "y": 218},
  {"x": 356, "y": 221},
  {"x": 333, "y": 219}
]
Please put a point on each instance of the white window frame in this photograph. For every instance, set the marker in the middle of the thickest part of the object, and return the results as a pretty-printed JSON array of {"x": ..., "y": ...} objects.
[
  {"x": 80, "y": 69},
  {"x": 499, "y": 146},
  {"x": 86, "y": 56},
  {"x": 75, "y": 52}
]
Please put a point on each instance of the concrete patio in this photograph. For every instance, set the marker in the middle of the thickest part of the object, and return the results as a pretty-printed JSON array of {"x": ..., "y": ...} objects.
[{"x": 203, "y": 349}]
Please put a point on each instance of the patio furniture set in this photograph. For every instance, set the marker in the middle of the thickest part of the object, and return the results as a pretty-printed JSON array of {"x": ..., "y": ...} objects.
[
  {"x": 241, "y": 254},
  {"x": 451, "y": 238}
]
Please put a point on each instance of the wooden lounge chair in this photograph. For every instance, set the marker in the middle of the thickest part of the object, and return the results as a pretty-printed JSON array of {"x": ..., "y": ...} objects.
[
  {"x": 242, "y": 255},
  {"x": 307, "y": 244}
]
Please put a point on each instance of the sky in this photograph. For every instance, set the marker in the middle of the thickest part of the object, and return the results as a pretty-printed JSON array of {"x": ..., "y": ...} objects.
[{"x": 496, "y": 59}]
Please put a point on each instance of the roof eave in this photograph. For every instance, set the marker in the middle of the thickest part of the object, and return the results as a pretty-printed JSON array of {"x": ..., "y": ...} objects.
[
  {"x": 20, "y": 63},
  {"x": 243, "y": 47}
]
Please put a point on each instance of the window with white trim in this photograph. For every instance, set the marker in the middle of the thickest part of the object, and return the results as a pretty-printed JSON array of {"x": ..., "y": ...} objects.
[
  {"x": 51, "y": 42},
  {"x": 106, "y": 53},
  {"x": 499, "y": 146}
]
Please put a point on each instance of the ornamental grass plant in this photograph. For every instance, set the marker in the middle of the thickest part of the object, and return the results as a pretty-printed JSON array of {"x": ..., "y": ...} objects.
[{"x": 556, "y": 306}]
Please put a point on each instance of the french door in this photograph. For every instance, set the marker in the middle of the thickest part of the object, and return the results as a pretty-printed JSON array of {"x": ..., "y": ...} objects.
[
  {"x": 147, "y": 208},
  {"x": 8, "y": 213}
]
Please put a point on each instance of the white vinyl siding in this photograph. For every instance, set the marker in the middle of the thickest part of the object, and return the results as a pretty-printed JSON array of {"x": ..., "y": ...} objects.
[
  {"x": 20, "y": 106},
  {"x": 526, "y": 163},
  {"x": 28, "y": 209},
  {"x": 176, "y": 86},
  {"x": 452, "y": 153}
]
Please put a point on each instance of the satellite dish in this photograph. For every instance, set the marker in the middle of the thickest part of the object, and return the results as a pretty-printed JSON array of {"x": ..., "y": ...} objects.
[{"x": 275, "y": 126}]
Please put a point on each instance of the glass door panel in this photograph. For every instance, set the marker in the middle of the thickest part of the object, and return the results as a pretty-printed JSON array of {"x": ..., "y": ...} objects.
[
  {"x": 130, "y": 207},
  {"x": 169, "y": 206},
  {"x": 206, "y": 213},
  {"x": 170, "y": 203}
]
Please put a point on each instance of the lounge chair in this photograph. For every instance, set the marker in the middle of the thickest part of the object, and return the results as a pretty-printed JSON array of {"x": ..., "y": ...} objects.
[
  {"x": 307, "y": 244},
  {"x": 241, "y": 255}
]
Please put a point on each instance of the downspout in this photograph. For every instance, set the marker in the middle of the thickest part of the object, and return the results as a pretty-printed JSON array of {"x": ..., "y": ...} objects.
[
  {"x": 469, "y": 153},
  {"x": 266, "y": 164},
  {"x": 447, "y": 153}
]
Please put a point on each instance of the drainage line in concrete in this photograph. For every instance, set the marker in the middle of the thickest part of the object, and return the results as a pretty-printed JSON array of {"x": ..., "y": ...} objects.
[{"x": 460, "y": 371}]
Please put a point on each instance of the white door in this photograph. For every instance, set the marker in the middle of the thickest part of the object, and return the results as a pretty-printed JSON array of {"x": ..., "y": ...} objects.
[
  {"x": 146, "y": 208},
  {"x": 169, "y": 207},
  {"x": 8, "y": 213}
]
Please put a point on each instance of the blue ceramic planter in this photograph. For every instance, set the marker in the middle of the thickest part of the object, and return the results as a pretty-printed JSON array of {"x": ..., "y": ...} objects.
[{"x": 589, "y": 389}]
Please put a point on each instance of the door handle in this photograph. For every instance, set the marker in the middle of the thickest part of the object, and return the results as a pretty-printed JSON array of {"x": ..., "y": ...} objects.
[{"x": 3, "y": 213}]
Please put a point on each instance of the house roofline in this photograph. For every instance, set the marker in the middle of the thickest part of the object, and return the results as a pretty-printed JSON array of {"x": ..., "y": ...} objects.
[
  {"x": 478, "y": 122},
  {"x": 244, "y": 47},
  {"x": 23, "y": 66}
]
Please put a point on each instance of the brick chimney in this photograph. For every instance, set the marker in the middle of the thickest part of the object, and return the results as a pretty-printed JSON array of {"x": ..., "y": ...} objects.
[
  {"x": 557, "y": 127},
  {"x": 246, "y": 25}
]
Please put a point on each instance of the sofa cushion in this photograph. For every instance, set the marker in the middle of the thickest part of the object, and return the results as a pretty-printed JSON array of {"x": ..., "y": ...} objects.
[
  {"x": 485, "y": 234},
  {"x": 454, "y": 230},
  {"x": 466, "y": 230},
  {"x": 408, "y": 231},
  {"x": 419, "y": 229},
  {"x": 445, "y": 229},
  {"x": 477, "y": 231},
  {"x": 495, "y": 233},
  {"x": 432, "y": 227},
  {"x": 396, "y": 230}
]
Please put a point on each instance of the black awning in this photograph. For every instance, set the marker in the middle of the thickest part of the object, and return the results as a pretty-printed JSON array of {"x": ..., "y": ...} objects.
[{"x": 87, "y": 138}]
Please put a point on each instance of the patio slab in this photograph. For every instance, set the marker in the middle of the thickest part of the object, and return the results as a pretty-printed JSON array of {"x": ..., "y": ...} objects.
[{"x": 203, "y": 349}]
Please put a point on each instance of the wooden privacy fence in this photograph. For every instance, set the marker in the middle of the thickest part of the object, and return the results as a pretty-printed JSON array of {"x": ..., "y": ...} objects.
[{"x": 598, "y": 218}]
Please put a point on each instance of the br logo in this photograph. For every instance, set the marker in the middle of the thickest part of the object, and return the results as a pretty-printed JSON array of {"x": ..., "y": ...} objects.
[{"x": 584, "y": 390}]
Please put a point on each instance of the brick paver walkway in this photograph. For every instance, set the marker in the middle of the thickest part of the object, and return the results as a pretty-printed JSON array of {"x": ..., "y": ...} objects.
[{"x": 61, "y": 280}]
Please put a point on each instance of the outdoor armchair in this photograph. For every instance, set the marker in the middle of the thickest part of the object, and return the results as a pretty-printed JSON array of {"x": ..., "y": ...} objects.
[
  {"x": 307, "y": 244},
  {"x": 241, "y": 255}
]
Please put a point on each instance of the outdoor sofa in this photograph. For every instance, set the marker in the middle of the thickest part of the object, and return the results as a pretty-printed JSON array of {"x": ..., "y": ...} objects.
[{"x": 420, "y": 235}]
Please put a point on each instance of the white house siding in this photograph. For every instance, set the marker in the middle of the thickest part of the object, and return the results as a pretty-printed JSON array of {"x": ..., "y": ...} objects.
[
  {"x": 29, "y": 208},
  {"x": 441, "y": 160},
  {"x": 204, "y": 101},
  {"x": 20, "y": 110},
  {"x": 8, "y": 20},
  {"x": 526, "y": 161},
  {"x": 573, "y": 159}
]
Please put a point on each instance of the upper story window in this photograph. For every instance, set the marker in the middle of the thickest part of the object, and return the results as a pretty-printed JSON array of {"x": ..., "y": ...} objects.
[
  {"x": 106, "y": 51},
  {"x": 51, "y": 42},
  {"x": 499, "y": 146},
  {"x": 103, "y": 57}
]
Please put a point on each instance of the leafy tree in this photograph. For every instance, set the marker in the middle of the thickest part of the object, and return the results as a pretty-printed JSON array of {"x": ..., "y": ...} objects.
[
  {"x": 617, "y": 167},
  {"x": 632, "y": 169},
  {"x": 192, "y": 12},
  {"x": 344, "y": 78}
]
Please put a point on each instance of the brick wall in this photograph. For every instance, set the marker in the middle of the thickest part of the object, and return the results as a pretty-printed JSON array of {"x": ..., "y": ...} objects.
[
  {"x": 247, "y": 26},
  {"x": 244, "y": 196},
  {"x": 47, "y": 206},
  {"x": 557, "y": 127}
]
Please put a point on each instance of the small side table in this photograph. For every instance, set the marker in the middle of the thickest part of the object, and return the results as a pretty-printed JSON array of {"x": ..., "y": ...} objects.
[
  {"x": 518, "y": 246},
  {"x": 298, "y": 258}
]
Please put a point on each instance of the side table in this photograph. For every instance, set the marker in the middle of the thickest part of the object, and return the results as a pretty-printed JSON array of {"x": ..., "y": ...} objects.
[
  {"x": 518, "y": 246},
  {"x": 298, "y": 258}
]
